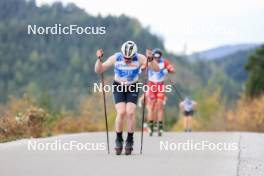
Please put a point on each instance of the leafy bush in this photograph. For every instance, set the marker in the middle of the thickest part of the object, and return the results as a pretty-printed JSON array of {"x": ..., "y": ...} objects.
[
  {"x": 35, "y": 121},
  {"x": 248, "y": 115},
  {"x": 22, "y": 118}
]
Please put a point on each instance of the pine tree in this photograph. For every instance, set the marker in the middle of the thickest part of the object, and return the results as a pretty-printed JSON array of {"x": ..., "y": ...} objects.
[{"x": 255, "y": 68}]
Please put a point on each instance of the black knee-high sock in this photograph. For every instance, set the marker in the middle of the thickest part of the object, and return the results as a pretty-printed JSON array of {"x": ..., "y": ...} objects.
[
  {"x": 119, "y": 136},
  {"x": 130, "y": 136},
  {"x": 160, "y": 125},
  {"x": 151, "y": 125}
]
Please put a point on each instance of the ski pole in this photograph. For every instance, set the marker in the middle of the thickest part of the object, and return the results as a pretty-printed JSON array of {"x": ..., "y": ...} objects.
[
  {"x": 175, "y": 88},
  {"x": 105, "y": 113},
  {"x": 143, "y": 110}
]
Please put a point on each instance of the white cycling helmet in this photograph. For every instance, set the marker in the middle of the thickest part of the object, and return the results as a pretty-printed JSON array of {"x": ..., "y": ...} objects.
[{"x": 129, "y": 49}]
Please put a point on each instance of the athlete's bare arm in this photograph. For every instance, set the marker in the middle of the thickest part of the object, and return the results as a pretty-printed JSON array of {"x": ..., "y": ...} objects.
[
  {"x": 169, "y": 67},
  {"x": 194, "y": 105},
  {"x": 148, "y": 53},
  {"x": 173, "y": 72},
  {"x": 103, "y": 66},
  {"x": 181, "y": 107}
]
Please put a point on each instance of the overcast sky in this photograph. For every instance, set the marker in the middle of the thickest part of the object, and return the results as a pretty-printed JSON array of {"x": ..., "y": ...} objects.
[{"x": 196, "y": 24}]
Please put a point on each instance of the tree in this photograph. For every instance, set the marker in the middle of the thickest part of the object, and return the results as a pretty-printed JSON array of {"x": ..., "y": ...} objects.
[{"x": 255, "y": 68}]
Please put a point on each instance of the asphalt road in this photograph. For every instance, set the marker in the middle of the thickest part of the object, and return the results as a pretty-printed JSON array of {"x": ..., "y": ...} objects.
[{"x": 243, "y": 155}]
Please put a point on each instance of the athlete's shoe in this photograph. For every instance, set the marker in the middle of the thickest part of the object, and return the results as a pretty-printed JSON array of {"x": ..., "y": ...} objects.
[
  {"x": 129, "y": 147},
  {"x": 151, "y": 128},
  {"x": 150, "y": 131},
  {"x": 119, "y": 146},
  {"x": 160, "y": 128},
  {"x": 160, "y": 132}
]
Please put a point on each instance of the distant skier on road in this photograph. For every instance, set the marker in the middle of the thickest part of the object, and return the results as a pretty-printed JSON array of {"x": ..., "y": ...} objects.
[
  {"x": 187, "y": 107},
  {"x": 156, "y": 94}
]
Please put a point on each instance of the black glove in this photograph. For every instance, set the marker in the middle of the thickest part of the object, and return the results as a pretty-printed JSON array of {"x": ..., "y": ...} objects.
[{"x": 150, "y": 58}]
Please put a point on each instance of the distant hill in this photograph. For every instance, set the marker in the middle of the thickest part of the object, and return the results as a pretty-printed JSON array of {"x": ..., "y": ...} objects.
[
  {"x": 227, "y": 71},
  {"x": 234, "y": 64},
  {"x": 222, "y": 51}
]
